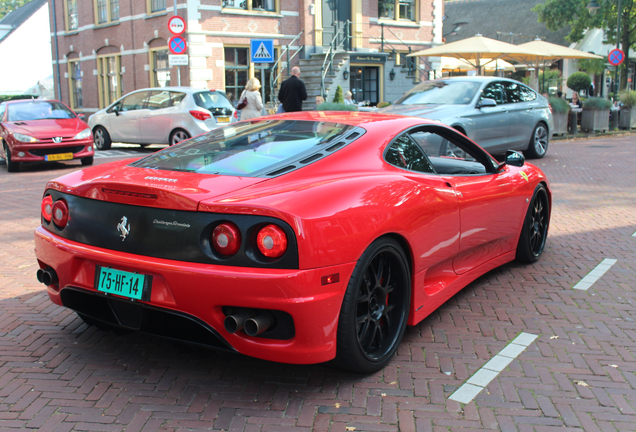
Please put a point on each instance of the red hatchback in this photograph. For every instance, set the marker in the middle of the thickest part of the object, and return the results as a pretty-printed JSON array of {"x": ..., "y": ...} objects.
[{"x": 42, "y": 130}]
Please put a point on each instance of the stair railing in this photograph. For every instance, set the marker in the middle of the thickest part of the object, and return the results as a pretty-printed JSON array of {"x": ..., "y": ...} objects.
[
  {"x": 273, "y": 78},
  {"x": 340, "y": 41}
]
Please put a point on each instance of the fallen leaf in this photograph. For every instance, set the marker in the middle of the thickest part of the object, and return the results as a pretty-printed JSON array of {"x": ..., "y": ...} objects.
[
  {"x": 614, "y": 366},
  {"x": 383, "y": 394},
  {"x": 350, "y": 428},
  {"x": 393, "y": 383},
  {"x": 554, "y": 337},
  {"x": 582, "y": 383},
  {"x": 337, "y": 405}
]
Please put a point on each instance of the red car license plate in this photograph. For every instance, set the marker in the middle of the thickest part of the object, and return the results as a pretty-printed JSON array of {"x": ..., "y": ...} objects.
[{"x": 132, "y": 285}]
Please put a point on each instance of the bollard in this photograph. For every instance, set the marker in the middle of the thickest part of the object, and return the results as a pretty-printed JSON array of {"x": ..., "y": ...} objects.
[
  {"x": 572, "y": 130},
  {"x": 614, "y": 119}
]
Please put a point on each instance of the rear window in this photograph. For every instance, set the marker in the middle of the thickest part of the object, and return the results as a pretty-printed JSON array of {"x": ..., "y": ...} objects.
[
  {"x": 253, "y": 148},
  {"x": 441, "y": 92},
  {"x": 212, "y": 100},
  {"x": 39, "y": 110}
]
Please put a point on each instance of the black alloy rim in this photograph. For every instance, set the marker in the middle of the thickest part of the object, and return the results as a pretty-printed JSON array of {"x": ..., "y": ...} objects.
[
  {"x": 381, "y": 305},
  {"x": 539, "y": 224}
]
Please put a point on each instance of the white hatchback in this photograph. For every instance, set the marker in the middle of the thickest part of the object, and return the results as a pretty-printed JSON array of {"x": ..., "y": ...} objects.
[{"x": 162, "y": 115}]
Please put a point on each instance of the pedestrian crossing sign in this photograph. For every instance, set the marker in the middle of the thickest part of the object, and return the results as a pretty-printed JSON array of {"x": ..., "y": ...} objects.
[{"x": 262, "y": 50}]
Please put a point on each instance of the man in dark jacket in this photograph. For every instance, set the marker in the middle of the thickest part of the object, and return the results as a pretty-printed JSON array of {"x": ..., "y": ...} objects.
[{"x": 292, "y": 92}]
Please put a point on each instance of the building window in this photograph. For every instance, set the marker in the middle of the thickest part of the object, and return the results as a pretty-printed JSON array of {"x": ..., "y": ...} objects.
[
  {"x": 405, "y": 9},
  {"x": 72, "y": 20},
  {"x": 251, "y": 5},
  {"x": 109, "y": 84},
  {"x": 160, "y": 74},
  {"x": 75, "y": 84},
  {"x": 106, "y": 11},
  {"x": 236, "y": 72},
  {"x": 155, "y": 6}
]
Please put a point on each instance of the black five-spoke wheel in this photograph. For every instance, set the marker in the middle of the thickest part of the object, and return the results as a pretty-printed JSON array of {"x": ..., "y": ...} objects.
[
  {"x": 535, "y": 227},
  {"x": 375, "y": 308}
]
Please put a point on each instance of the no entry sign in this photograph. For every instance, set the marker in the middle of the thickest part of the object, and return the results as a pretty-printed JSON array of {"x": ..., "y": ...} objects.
[
  {"x": 616, "y": 57},
  {"x": 176, "y": 25}
]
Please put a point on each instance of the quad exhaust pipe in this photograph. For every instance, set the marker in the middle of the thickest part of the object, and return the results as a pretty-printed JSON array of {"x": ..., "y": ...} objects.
[
  {"x": 250, "y": 322},
  {"x": 47, "y": 276}
]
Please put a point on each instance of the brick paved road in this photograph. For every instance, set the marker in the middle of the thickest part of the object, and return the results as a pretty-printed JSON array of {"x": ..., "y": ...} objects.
[{"x": 579, "y": 374}]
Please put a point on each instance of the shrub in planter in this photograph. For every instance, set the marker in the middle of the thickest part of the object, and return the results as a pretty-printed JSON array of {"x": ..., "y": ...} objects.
[
  {"x": 579, "y": 81},
  {"x": 332, "y": 106},
  {"x": 560, "y": 110},
  {"x": 338, "y": 97},
  {"x": 595, "y": 115},
  {"x": 628, "y": 110}
]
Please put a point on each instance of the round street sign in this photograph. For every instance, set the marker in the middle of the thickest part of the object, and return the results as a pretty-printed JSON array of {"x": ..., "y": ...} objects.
[
  {"x": 176, "y": 25},
  {"x": 616, "y": 57},
  {"x": 177, "y": 45}
]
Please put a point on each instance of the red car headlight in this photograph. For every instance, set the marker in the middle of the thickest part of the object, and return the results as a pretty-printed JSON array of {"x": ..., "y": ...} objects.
[
  {"x": 47, "y": 208},
  {"x": 60, "y": 213},
  {"x": 226, "y": 238},
  {"x": 272, "y": 241}
]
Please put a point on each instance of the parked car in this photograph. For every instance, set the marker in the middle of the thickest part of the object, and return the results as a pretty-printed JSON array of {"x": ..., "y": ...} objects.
[
  {"x": 499, "y": 114},
  {"x": 299, "y": 238},
  {"x": 42, "y": 130},
  {"x": 162, "y": 115}
]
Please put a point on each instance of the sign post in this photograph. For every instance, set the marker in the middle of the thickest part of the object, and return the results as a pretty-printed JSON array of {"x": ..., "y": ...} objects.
[
  {"x": 177, "y": 43},
  {"x": 262, "y": 51}
]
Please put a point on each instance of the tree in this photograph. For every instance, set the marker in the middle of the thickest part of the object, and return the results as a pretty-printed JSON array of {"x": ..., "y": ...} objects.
[
  {"x": 338, "y": 98},
  {"x": 595, "y": 67},
  {"x": 557, "y": 14},
  {"x": 7, "y": 6},
  {"x": 579, "y": 81}
]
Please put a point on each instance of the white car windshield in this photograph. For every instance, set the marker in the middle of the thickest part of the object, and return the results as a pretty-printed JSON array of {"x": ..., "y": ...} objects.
[{"x": 441, "y": 92}]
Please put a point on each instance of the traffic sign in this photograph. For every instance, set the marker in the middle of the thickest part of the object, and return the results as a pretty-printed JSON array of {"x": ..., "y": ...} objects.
[
  {"x": 616, "y": 57},
  {"x": 176, "y": 25},
  {"x": 262, "y": 50},
  {"x": 177, "y": 45},
  {"x": 177, "y": 60}
]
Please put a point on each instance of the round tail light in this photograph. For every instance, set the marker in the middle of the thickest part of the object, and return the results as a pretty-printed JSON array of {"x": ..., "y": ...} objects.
[
  {"x": 272, "y": 241},
  {"x": 226, "y": 238},
  {"x": 47, "y": 208},
  {"x": 60, "y": 213}
]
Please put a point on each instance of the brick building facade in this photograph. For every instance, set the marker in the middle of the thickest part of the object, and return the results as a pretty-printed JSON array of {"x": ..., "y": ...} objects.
[{"x": 103, "y": 49}]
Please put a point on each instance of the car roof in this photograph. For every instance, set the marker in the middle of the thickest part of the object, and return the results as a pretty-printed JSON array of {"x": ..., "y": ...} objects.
[
  {"x": 479, "y": 78},
  {"x": 175, "y": 88},
  {"x": 367, "y": 120}
]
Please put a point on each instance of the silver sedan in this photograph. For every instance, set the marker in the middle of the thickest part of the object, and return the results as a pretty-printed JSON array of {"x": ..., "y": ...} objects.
[
  {"x": 499, "y": 114},
  {"x": 165, "y": 115}
]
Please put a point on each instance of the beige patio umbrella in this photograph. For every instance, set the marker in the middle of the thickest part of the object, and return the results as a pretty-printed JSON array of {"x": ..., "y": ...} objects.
[
  {"x": 473, "y": 49},
  {"x": 486, "y": 63}
]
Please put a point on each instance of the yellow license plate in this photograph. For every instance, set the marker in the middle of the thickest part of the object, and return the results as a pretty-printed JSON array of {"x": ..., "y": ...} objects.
[
  {"x": 222, "y": 119},
  {"x": 59, "y": 156}
]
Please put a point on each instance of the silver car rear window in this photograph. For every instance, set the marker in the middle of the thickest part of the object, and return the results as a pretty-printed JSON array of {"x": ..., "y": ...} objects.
[{"x": 212, "y": 100}]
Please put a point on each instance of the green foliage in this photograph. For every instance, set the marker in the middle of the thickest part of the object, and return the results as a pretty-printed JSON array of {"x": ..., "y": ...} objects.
[
  {"x": 338, "y": 97},
  {"x": 592, "y": 66},
  {"x": 383, "y": 104},
  {"x": 4, "y": 98},
  {"x": 628, "y": 98},
  {"x": 559, "y": 105},
  {"x": 597, "y": 103},
  {"x": 579, "y": 81},
  {"x": 7, "y": 6},
  {"x": 333, "y": 106},
  {"x": 552, "y": 79}
]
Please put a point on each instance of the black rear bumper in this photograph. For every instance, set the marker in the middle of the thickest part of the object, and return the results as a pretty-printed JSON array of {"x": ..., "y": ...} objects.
[{"x": 142, "y": 317}]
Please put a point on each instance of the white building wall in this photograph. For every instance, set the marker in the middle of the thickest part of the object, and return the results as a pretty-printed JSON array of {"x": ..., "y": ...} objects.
[{"x": 25, "y": 54}]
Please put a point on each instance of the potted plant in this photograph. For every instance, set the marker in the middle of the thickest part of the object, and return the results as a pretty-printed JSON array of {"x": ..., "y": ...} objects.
[
  {"x": 627, "y": 118},
  {"x": 560, "y": 111},
  {"x": 595, "y": 115},
  {"x": 579, "y": 82}
]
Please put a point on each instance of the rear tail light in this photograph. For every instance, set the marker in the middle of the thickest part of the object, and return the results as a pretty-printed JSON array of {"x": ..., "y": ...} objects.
[
  {"x": 236, "y": 115},
  {"x": 200, "y": 115},
  {"x": 272, "y": 241},
  {"x": 226, "y": 238},
  {"x": 60, "y": 213},
  {"x": 47, "y": 208},
  {"x": 550, "y": 107}
]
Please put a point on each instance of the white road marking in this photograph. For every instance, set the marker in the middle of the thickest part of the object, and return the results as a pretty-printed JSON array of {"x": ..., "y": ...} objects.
[
  {"x": 476, "y": 383},
  {"x": 595, "y": 274}
]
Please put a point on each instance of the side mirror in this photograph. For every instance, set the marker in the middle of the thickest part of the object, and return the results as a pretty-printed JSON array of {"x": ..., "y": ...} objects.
[
  {"x": 487, "y": 103},
  {"x": 81, "y": 117},
  {"x": 116, "y": 110},
  {"x": 515, "y": 158}
]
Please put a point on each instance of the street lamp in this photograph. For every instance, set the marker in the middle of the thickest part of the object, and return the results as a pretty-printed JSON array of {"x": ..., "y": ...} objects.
[{"x": 593, "y": 7}]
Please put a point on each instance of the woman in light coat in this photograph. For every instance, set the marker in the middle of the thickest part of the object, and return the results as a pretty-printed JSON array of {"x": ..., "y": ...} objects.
[{"x": 254, "y": 102}]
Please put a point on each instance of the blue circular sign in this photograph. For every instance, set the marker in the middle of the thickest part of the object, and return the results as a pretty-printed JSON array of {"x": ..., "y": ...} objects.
[
  {"x": 177, "y": 45},
  {"x": 616, "y": 57}
]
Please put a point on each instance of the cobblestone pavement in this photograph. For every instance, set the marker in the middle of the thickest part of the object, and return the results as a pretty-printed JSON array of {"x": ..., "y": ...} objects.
[{"x": 578, "y": 374}]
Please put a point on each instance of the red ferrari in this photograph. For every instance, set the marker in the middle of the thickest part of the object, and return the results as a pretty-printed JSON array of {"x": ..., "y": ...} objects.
[
  {"x": 298, "y": 238},
  {"x": 42, "y": 130}
]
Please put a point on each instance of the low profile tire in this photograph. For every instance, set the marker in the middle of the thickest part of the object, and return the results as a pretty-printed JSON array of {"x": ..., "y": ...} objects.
[
  {"x": 538, "y": 146},
  {"x": 88, "y": 160},
  {"x": 177, "y": 136},
  {"x": 11, "y": 166},
  {"x": 375, "y": 308},
  {"x": 101, "y": 138},
  {"x": 102, "y": 326},
  {"x": 535, "y": 227}
]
